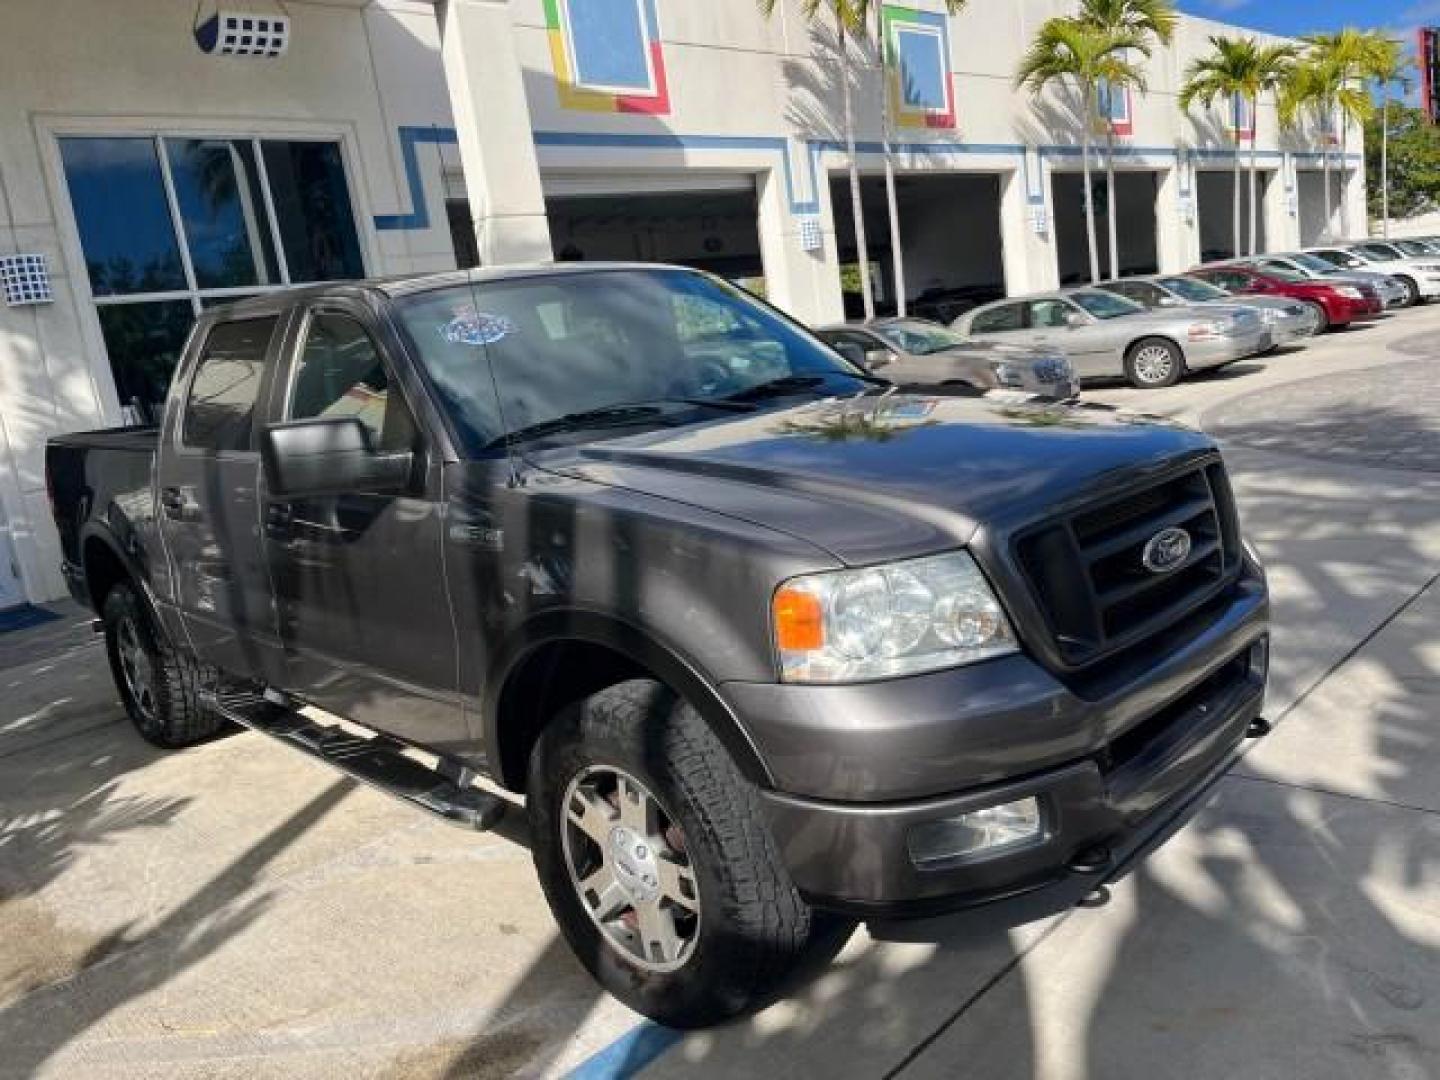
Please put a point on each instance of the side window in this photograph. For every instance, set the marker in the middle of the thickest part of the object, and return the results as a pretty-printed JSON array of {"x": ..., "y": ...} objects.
[
  {"x": 1142, "y": 292},
  {"x": 998, "y": 320},
  {"x": 849, "y": 337},
  {"x": 341, "y": 373},
  {"x": 1049, "y": 313},
  {"x": 220, "y": 411}
]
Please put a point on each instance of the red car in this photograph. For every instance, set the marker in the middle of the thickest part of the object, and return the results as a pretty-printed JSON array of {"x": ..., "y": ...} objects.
[{"x": 1339, "y": 304}]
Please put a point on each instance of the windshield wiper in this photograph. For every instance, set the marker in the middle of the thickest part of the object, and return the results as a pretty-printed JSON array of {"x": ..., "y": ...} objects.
[
  {"x": 789, "y": 384},
  {"x": 611, "y": 416}
]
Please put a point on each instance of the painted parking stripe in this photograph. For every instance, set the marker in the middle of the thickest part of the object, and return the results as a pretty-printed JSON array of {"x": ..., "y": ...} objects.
[{"x": 627, "y": 1055}]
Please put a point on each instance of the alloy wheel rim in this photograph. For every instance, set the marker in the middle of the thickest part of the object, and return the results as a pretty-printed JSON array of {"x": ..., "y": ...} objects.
[
  {"x": 627, "y": 862},
  {"x": 136, "y": 668},
  {"x": 1153, "y": 363}
]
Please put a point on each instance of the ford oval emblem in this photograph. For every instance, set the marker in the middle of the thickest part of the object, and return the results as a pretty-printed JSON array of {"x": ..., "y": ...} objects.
[{"x": 1167, "y": 550}]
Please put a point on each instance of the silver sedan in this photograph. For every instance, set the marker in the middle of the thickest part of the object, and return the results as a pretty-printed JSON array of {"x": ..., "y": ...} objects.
[
  {"x": 917, "y": 352},
  {"x": 1106, "y": 335},
  {"x": 1289, "y": 320}
]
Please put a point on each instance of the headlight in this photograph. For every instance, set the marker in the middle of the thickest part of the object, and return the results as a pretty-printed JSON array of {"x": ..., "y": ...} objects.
[
  {"x": 1349, "y": 292},
  {"x": 1007, "y": 374},
  {"x": 1210, "y": 328},
  {"x": 899, "y": 619}
]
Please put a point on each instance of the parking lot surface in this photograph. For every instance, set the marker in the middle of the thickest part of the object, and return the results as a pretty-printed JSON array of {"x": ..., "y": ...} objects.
[{"x": 236, "y": 910}]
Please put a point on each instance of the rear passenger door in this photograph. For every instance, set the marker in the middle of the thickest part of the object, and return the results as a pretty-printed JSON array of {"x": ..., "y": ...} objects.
[
  {"x": 207, "y": 477},
  {"x": 359, "y": 576}
]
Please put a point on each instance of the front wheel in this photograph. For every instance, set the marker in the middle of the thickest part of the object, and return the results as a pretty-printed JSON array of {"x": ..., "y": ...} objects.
[
  {"x": 1154, "y": 362},
  {"x": 1322, "y": 317},
  {"x": 656, "y": 859},
  {"x": 1412, "y": 292}
]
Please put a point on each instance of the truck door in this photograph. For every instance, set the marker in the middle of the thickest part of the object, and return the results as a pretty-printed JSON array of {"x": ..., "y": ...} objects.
[
  {"x": 358, "y": 575},
  {"x": 208, "y": 467}
]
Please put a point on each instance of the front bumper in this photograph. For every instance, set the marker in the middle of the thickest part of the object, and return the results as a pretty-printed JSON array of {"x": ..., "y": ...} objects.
[
  {"x": 859, "y": 767},
  {"x": 1291, "y": 328},
  {"x": 1429, "y": 285},
  {"x": 1227, "y": 349},
  {"x": 1367, "y": 308}
]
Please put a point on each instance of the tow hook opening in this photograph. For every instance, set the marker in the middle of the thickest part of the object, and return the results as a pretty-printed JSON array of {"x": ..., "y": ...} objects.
[
  {"x": 1259, "y": 728},
  {"x": 1090, "y": 860}
]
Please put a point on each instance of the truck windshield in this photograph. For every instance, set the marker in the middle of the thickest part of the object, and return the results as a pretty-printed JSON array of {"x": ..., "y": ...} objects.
[{"x": 608, "y": 349}]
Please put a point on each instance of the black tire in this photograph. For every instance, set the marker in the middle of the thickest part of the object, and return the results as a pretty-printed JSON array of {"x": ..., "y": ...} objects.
[
  {"x": 1323, "y": 319},
  {"x": 170, "y": 712},
  {"x": 1412, "y": 291},
  {"x": 753, "y": 926},
  {"x": 1136, "y": 366}
]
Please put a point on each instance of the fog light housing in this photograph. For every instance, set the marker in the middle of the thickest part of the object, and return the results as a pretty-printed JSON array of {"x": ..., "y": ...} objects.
[
  {"x": 1260, "y": 657},
  {"x": 980, "y": 832}
]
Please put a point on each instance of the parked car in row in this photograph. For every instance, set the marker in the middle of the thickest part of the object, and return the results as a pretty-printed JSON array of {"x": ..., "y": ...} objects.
[
  {"x": 1419, "y": 274},
  {"x": 1289, "y": 320},
  {"x": 755, "y": 637},
  {"x": 1106, "y": 335},
  {"x": 1336, "y": 305},
  {"x": 1393, "y": 292},
  {"x": 915, "y": 352}
]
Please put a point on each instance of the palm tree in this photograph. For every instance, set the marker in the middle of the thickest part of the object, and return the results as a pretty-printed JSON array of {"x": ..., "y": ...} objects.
[
  {"x": 1068, "y": 50},
  {"x": 1309, "y": 90},
  {"x": 952, "y": 7},
  {"x": 1340, "y": 59},
  {"x": 1386, "y": 63},
  {"x": 1238, "y": 71},
  {"x": 849, "y": 17},
  {"x": 1149, "y": 21}
]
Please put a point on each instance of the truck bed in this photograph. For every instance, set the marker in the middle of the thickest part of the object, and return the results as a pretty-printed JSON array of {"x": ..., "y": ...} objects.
[{"x": 142, "y": 438}]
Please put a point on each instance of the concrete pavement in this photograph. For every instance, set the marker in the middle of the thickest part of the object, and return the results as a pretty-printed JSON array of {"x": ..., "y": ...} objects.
[{"x": 235, "y": 910}]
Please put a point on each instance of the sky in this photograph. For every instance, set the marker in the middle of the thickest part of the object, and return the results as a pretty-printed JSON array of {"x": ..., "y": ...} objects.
[{"x": 1304, "y": 16}]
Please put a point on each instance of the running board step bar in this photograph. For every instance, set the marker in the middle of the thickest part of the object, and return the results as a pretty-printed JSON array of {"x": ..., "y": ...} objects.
[{"x": 376, "y": 760}]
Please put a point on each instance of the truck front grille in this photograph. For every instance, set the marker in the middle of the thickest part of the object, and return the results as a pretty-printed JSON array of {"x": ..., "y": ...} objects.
[{"x": 1088, "y": 573}]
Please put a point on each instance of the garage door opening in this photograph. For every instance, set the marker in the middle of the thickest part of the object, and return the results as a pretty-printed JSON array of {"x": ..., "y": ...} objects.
[
  {"x": 712, "y": 229},
  {"x": 1215, "y": 201},
  {"x": 1310, "y": 195},
  {"x": 1135, "y": 194},
  {"x": 949, "y": 233}
]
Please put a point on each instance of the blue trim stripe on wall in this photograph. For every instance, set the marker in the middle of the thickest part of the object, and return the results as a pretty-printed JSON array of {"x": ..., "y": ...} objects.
[{"x": 419, "y": 216}]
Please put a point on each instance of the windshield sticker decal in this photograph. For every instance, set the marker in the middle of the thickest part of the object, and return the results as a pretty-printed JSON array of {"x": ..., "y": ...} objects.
[{"x": 471, "y": 327}]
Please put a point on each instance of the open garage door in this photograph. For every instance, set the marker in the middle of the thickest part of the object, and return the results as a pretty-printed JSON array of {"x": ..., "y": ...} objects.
[
  {"x": 1135, "y": 194},
  {"x": 1310, "y": 197},
  {"x": 949, "y": 232},
  {"x": 1215, "y": 191},
  {"x": 705, "y": 220}
]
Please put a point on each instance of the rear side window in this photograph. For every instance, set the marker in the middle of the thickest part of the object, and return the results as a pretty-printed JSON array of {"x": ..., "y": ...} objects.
[
  {"x": 1140, "y": 291},
  {"x": 997, "y": 320},
  {"x": 220, "y": 411}
]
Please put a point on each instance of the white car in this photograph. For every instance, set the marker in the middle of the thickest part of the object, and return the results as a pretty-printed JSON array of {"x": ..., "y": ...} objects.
[{"x": 1419, "y": 274}]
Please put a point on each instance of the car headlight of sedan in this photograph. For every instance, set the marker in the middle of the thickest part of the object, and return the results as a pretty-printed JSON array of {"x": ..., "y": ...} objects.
[
  {"x": 1007, "y": 374},
  {"x": 901, "y": 618},
  {"x": 1208, "y": 329},
  {"x": 1350, "y": 292}
]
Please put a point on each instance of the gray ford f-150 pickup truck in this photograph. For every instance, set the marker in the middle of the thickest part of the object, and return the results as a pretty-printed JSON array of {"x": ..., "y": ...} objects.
[{"x": 756, "y": 636}]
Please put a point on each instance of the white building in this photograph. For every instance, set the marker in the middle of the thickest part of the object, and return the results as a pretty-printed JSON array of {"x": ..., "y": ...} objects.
[{"x": 394, "y": 136}]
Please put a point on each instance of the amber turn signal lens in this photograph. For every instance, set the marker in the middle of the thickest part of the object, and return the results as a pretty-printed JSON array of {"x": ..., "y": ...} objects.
[{"x": 799, "y": 621}]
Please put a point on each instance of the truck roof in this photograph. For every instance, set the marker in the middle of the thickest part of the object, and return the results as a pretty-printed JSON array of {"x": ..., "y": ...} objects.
[{"x": 405, "y": 284}]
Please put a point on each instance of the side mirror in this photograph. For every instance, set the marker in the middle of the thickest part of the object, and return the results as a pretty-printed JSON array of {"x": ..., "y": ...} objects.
[
  {"x": 329, "y": 456},
  {"x": 1075, "y": 320}
]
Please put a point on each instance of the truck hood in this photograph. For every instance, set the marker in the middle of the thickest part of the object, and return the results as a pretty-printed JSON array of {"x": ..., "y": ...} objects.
[{"x": 888, "y": 476}]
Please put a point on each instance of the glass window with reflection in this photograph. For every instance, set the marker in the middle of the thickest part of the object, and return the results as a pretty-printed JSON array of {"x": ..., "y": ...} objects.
[{"x": 220, "y": 410}]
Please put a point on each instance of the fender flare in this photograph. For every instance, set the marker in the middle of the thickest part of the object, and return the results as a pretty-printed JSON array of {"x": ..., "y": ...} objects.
[
  {"x": 100, "y": 533},
  {"x": 665, "y": 662}
]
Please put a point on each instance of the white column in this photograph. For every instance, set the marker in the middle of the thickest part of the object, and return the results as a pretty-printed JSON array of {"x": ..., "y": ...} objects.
[
  {"x": 1282, "y": 228},
  {"x": 803, "y": 283},
  {"x": 1174, "y": 221},
  {"x": 1028, "y": 256},
  {"x": 492, "y": 118}
]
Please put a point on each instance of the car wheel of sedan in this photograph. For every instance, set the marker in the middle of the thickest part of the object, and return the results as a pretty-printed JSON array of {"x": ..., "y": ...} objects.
[
  {"x": 1154, "y": 362},
  {"x": 1412, "y": 291},
  {"x": 657, "y": 861},
  {"x": 1322, "y": 318}
]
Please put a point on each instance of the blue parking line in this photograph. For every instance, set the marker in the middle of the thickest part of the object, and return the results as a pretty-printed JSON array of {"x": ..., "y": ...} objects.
[{"x": 627, "y": 1055}]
